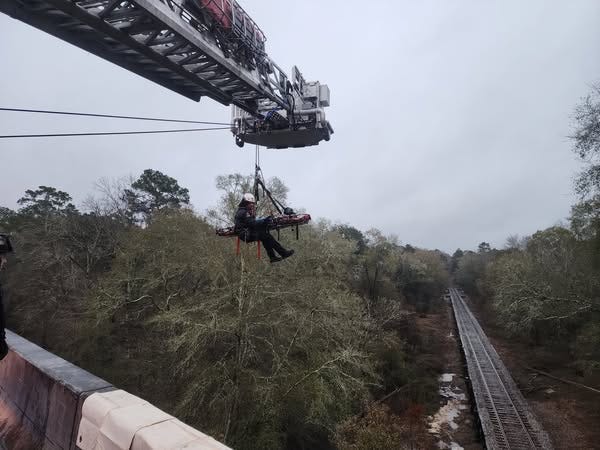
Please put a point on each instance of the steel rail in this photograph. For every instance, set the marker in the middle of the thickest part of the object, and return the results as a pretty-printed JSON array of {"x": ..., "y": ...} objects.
[
  {"x": 506, "y": 420},
  {"x": 498, "y": 431}
]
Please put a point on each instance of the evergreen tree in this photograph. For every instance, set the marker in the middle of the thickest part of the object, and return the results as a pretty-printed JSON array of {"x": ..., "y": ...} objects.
[{"x": 153, "y": 191}]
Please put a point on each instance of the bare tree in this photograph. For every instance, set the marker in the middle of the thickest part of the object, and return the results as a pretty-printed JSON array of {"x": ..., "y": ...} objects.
[{"x": 587, "y": 139}]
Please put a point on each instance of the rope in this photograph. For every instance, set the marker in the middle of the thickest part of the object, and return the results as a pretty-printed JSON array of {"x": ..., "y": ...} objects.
[
  {"x": 256, "y": 172},
  {"x": 260, "y": 182},
  {"x": 110, "y": 116},
  {"x": 112, "y": 133}
]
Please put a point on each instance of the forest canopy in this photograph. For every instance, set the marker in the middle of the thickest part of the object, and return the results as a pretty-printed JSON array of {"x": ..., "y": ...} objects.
[{"x": 135, "y": 286}]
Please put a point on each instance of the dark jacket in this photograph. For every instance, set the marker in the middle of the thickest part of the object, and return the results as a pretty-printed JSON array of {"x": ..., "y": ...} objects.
[{"x": 244, "y": 220}]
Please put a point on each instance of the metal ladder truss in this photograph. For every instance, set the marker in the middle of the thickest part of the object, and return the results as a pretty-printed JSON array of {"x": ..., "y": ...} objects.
[{"x": 159, "y": 40}]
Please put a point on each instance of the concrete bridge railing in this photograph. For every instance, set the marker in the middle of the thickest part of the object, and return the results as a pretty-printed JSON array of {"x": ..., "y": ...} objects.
[{"x": 49, "y": 403}]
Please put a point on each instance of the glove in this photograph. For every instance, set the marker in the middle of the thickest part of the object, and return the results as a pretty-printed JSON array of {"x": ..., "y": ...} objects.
[{"x": 264, "y": 221}]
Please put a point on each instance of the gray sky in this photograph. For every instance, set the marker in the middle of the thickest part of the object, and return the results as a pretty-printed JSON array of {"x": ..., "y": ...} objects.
[{"x": 450, "y": 117}]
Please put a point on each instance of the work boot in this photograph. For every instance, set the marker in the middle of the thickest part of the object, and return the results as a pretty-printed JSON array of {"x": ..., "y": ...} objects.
[
  {"x": 287, "y": 254},
  {"x": 275, "y": 258}
]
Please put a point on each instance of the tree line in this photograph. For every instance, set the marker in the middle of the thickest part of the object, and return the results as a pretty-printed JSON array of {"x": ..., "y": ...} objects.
[
  {"x": 546, "y": 287},
  {"x": 134, "y": 286}
]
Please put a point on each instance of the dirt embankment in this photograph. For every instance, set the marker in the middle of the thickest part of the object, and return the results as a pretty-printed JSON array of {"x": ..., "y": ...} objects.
[
  {"x": 453, "y": 424},
  {"x": 569, "y": 414}
]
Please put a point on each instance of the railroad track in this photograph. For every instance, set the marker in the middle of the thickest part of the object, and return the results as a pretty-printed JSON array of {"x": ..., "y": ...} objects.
[{"x": 504, "y": 415}]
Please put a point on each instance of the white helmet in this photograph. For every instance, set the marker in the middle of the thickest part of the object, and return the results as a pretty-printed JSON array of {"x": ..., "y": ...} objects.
[{"x": 249, "y": 198}]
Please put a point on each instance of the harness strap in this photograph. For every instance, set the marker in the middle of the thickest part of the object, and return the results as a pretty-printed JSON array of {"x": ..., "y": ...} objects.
[
  {"x": 260, "y": 183},
  {"x": 276, "y": 203}
]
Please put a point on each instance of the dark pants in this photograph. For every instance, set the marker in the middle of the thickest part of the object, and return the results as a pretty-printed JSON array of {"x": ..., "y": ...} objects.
[
  {"x": 3, "y": 346},
  {"x": 2, "y": 319},
  {"x": 269, "y": 242}
]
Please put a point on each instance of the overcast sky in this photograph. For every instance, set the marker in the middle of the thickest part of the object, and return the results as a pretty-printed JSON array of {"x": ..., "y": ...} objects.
[{"x": 451, "y": 117}]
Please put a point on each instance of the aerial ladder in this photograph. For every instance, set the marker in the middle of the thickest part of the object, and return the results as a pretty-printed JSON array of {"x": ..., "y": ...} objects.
[{"x": 197, "y": 48}]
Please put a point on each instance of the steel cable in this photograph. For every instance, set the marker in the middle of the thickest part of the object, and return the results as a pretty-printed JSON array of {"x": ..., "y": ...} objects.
[
  {"x": 111, "y": 116},
  {"x": 110, "y": 133}
]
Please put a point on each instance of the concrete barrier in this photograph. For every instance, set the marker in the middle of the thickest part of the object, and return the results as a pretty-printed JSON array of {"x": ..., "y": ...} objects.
[
  {"x": 117, "y": 420},
  {"x": 49, "y": 403},
  {"x": 41, "y": 396}
]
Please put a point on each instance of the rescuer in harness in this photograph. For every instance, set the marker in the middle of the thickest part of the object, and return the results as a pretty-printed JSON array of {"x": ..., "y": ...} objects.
[{"x": 251, "y": 229}]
